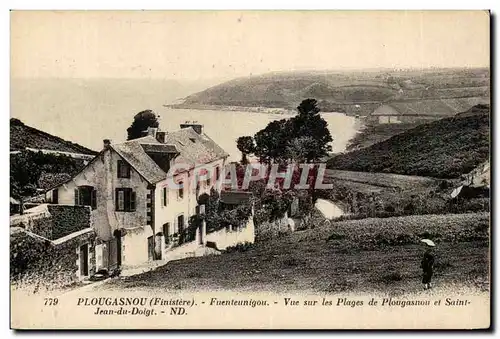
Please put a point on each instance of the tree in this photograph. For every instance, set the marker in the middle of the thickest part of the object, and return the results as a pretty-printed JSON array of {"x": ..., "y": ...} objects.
[
  {"x": 246, "y": 146},
  {"x": 305, "y": 137},
  {"x": 24, "y": 175},
  {"x": 309, "y": 124},
  {"x": 142, "y": 121},
  {"x": 299, "y": 149},
  {"x": 308, "y": 107},
  {"x": 271, "y": 142}
]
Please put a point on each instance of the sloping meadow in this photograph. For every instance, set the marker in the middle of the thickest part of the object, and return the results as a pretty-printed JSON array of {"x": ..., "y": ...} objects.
[{"x": 373, "y": 233}]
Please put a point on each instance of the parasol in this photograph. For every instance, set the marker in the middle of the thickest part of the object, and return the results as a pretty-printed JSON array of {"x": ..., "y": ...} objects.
[{"x": 428, "y": 242}]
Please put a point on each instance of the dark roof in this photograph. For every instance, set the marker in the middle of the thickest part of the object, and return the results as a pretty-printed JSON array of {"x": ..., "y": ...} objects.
[
  {"x": 438, "y": 107},
  {"x": 133, "y": 153},
  {"x": 159, "y": 148},
  {"x": 235, "y": 197},
  {"x": 22, "y": 136},
  {"x": 191, "y": 147},
  {"x": 194, "y": 148}
]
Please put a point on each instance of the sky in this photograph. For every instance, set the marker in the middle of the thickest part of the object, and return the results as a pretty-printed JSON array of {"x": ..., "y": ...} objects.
[{"x": 208, "y": 44}]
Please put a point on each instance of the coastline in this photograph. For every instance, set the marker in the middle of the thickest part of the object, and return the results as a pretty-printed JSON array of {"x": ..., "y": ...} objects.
[
  {"x": 256, "y": 109},
  {"x": 249, "y": 109}
]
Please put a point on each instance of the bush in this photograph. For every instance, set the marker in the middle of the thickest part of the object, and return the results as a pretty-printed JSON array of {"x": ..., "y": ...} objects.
[
  {"x": 391, "y": 277},
  {"x": 239, "y": 247}
]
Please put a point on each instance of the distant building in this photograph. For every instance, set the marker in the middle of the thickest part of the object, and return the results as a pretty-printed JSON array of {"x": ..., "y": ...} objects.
[{"x": 414, "y": 111}]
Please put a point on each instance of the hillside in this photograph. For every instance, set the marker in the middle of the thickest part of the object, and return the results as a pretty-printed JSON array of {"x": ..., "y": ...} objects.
[
  {"x": 446, "y": 148},
  {"x": 351, "y": 92},
  {"x": 23, "y": 136}
]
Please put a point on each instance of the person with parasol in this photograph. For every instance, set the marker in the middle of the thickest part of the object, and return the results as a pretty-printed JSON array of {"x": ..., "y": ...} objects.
[{"x": 427, "y": 263}]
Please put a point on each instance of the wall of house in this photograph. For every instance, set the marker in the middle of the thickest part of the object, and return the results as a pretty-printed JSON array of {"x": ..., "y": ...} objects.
[
  {"x": 102, "y": 175},
  {"x": 135, "y": 245},
  {"x": 175, "y": 206},
  {"x": 227, "y": 237}
]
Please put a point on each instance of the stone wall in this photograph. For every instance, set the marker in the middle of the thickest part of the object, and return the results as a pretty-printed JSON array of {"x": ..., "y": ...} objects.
[
  {"x": 40, "y": 264},
  {"x": 227, "y": 237},
  {"x": 53, "y": 221},
  {"x": 36, "y": 220},
  {"x": 68, "y": 219}
]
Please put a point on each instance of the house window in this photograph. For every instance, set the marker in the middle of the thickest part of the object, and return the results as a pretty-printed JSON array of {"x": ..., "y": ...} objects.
[
  {"x": 180, "y": 191},
  {"x": 86, "y": 196},
  {"x": 166, "y": 232},
  {"x": 125, "y": 200},
  {"x": 123, "y": 169},
  {"x": 164, "y": 197}
]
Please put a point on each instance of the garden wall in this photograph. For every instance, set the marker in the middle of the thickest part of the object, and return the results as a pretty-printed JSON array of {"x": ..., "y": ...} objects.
[
  {"x": 38, "y": 263},
  {"x": 228, "y": 237}
]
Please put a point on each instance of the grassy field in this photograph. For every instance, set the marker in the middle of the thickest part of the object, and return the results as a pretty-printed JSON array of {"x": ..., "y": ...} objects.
[
  {"x": 380, "y": 179},
  {"x": 379, "y": 255}
]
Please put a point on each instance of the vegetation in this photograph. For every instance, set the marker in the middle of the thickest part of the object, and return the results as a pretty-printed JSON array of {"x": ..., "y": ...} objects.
[
  {"x": 27, "y": 168},
  {"x": 443, "y": 149},
  {"x": 376, "y": 233},
  {"x": 302, "y": 138},
  {"x": 246, "y": 146},
  {"x": 218, "y": 215},
  {"x": 239, "y": 247},
  {"x": 142, "y": 121},
  {"x": 22, "y": 137}
]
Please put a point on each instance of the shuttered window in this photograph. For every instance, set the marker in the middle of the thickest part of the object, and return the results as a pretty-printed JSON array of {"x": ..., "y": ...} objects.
[
  {"x": 125, "y": 200},
  {"x": 164, "y": 197},
  {"x": 86, "y": 196},
  {"x": 93, "y": 199}
]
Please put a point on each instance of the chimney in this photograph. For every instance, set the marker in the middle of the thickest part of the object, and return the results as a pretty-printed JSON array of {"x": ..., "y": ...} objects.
[
  {"x": 160, "y": 136},
  {"x": 152, "y": 131},
  {"x": 195, "y": 125},
  {"x": 106, "y": 143}
]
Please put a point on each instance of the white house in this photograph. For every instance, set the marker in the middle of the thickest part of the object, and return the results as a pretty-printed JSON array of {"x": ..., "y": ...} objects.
[{"x": 138, "y": 214}]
